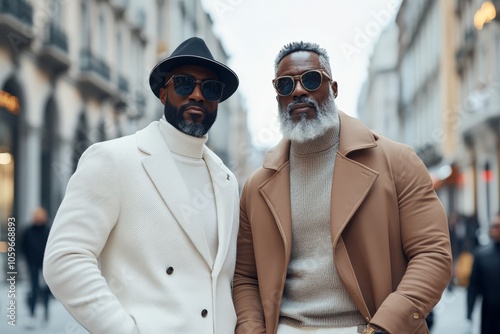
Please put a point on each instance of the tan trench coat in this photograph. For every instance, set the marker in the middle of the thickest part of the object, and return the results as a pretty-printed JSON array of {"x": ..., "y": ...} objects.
[{"x": 388, "y": 227}]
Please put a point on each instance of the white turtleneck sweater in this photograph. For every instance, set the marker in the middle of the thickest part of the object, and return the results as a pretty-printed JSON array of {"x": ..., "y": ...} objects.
[
  {"x": 187, "y": 152},
  {"x": 314, "y": 295}
]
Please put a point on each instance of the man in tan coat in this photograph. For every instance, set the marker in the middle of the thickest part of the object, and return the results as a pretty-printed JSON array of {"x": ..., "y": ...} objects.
[{"x": 340, "y": 229}]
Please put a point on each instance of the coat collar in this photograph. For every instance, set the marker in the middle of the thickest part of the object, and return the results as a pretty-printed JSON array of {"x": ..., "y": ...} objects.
[{"x": 354, "y": 135}]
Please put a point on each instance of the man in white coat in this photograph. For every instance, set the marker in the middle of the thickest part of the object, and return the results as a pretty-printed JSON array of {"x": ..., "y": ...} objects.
[{"x": 144, "y": 240}]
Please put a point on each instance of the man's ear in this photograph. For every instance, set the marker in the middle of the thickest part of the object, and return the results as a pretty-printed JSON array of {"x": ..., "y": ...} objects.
[
  {"x": 335, "y": 89},
  {"x": 163, "y": 95}
]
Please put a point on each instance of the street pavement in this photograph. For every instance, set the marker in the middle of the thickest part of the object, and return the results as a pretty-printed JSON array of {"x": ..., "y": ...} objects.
[
  {"x": 60, "y": 322},
  {"x": 449, "y": 315}
]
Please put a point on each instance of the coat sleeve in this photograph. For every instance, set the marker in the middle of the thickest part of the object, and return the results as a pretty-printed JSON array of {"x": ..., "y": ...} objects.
[
  {"x": 80, "y": 230},
  {"x": 426, "y": 243},
  {"x": 246, "y": 295}
]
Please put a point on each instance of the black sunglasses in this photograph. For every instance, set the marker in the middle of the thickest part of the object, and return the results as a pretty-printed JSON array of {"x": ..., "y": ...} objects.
[
  {"x": 184, "y": 85},
  {"x": 310, "y": 80}
]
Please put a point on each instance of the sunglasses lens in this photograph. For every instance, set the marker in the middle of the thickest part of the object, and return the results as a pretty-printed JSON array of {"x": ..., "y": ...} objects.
[
  {"x": 311, "y": 80},
  {"x": 284, "y": 86},
  {"x": 184, "y": 85},
  {"x": 212, "y": 90}
]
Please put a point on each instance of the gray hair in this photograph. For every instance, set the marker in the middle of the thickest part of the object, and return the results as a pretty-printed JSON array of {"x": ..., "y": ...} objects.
[{"x": 303, "y": 46}]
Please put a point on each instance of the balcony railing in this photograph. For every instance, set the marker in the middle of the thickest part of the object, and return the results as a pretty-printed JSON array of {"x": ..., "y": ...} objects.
[
  {"x": 16, "y": 24},
  {"x": 53, "y": 53},
  {"x": 91, "y": 63},
  {"x": 120, "y": 6},
  {"x": 57, "y": 38},
  {"x": 95, "y": 76},
  {"x": 20, "y": 9}
]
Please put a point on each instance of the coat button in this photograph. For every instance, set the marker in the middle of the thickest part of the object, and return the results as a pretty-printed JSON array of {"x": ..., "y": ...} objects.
[
  {"x": 204, "y": 313},
  {"x": 416, "y": 315},
  {"x": 170, "y": 270}
]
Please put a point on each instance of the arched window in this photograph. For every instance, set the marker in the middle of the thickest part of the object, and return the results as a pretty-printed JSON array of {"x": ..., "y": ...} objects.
[
  {"x": 102, "y": 37},
  {"x": 82, "y": 140},
  {"x": 11, "y": 114},
  {"x": 85, "y": 25},
  {"x": 49, "y": 190}
]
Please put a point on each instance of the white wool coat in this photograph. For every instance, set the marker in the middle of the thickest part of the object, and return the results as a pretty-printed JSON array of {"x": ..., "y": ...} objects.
[{"x": 123, "y": 255}]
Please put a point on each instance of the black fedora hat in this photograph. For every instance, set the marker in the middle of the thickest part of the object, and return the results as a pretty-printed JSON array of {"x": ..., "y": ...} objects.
[{"x": 193, "y": 51}]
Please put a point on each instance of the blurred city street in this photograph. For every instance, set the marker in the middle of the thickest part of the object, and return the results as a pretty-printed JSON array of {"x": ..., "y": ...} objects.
[
  {"x": 60, "y": 322},
  {"x": 73, "y": 74},
  {"x": 449, "y": 315}
]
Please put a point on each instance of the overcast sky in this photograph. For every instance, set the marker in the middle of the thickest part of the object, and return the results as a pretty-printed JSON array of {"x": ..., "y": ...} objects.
[{"x": 253, "y": 31}]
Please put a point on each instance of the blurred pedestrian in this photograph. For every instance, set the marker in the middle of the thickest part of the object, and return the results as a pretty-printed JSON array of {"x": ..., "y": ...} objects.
[
  {"x": 430, "y": 319},
  {"x": 340, "y": 229},
  {"x": 33, "y": 244},
  {"x": 485, "y": 281},
  {"x": 145, "y": 238}
]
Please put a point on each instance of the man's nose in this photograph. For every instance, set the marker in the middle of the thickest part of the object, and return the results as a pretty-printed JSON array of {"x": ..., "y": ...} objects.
[
  {"x": 197, "y": 94},
  {"x": 299, "y": 90}
]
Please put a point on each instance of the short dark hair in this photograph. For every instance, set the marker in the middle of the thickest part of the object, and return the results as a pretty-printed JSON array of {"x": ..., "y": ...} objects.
[{"x": 292, "y": 47}]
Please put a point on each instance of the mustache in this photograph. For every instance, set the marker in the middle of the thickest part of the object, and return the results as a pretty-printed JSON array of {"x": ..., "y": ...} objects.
[
  {"x": 192, "y": 104},
  {"x": 301, "y": 100}
]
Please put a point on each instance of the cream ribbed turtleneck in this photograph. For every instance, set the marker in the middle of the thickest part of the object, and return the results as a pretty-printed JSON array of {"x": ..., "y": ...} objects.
[
  {"x": 314, "y": 295},
  {"x": 187, "y": 152}
]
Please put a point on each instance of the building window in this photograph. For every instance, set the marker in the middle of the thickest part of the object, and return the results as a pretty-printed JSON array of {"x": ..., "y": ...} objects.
[
  {"x": 11, "y": 111},
  {"x": 85, "y": 29},
  {"x": 119, "y": 52},
  {"x": 7, "y": 183},
  {"x": 82, "y": 140},
  {"x": 483, "y": 64},
  {"x": 55, "y": 10},
  {"x": 102, "y": 36},
  {"x": 496, "y": 63},
  {"x": 101, "y": 131},
  {"x": 48, "y": 156},
  {"x": 160, "y": 18}
]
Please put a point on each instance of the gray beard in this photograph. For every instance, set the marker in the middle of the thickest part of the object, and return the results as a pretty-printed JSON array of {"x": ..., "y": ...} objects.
[
  {"x": 327, "y": 117},
  {"x": 192, "y": 129}
]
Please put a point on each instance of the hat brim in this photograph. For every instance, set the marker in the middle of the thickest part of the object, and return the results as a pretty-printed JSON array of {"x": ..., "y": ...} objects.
[{"x": 224, "y": 73}]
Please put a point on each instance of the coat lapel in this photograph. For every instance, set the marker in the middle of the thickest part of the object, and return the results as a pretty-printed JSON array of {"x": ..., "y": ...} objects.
[
  {"x": 161, "y": 168},
  {"x": 351, "y": 180},
  {"x": 276, "y": 192},
  {"x": 351, "y": 183},
  {"x": 226, "y": 201}
]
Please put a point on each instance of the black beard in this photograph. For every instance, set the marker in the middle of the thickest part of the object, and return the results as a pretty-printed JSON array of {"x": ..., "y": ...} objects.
[{"x": 174, "y": 117}]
